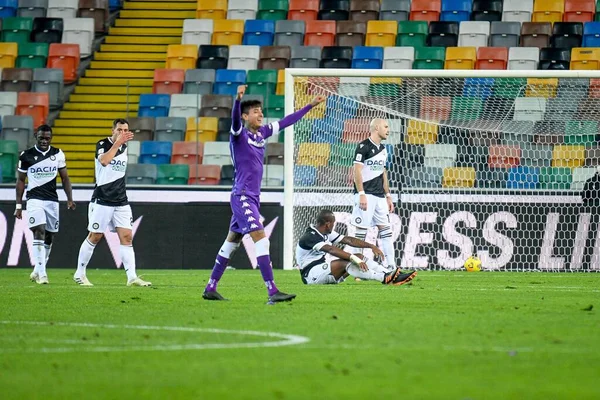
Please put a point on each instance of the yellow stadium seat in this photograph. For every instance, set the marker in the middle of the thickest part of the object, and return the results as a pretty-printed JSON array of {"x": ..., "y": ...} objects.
[
  {"x": 585, "y": 58},
  {"x": 280, "y": 82},
  {"x": 227, "y": 32},
  {"x": 548, "y": 10},
  {"x": 8, "y": 54},
  {"x": 421, "y": 132},
  {"x": 460, "y": 58},
  {"x": 383, "y": 79},
  {"x": 457, "y": 177},
  {"x": 568, "y": 156},
  {"x": 314, "y": 154},
  {"x": 182, "y": 56},
  {"x": 381, "y": 33},
  {"x": 537, "y": 87},
  {"x": 202, "y": 129},
  {"x": 302, "y": 99},
  {"x": 211, "y": 9}
]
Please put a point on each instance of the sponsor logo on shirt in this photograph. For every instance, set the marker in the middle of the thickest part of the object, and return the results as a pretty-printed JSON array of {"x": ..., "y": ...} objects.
[
  {"x": 118, "y": 165},
  {"x": 43, "y": 172}
]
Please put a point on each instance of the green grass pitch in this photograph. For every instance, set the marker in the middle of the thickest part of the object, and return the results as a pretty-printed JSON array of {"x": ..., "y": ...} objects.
[{"x": 448, "y": 335}]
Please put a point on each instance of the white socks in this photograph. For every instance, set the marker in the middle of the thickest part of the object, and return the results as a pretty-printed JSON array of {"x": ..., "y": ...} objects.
[
  {"x": 361, "y": 234},
  {"x": 376, "y": 272},
  {"x": 128, "y": 259},
  {"x": 387, "y": 245},
  {"x": 48, "y": 248},
  {"x": 85, "y": 254},
  {"x": 39, "y": 257}
]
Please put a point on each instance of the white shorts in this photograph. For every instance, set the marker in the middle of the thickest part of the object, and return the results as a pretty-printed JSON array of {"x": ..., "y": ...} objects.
[
  {"x": 320, "y": 274},
  {"x": 377, "y": 212},
  {"x": 43, "y": 212},
  {"x": 102, "y": 217}
]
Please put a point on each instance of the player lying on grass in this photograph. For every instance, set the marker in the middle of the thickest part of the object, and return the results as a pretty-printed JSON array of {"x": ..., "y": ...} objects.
[{"x": 320, "y": 239}]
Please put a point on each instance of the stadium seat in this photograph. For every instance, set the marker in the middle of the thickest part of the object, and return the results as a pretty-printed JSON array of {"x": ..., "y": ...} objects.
[
  {"x": 259, "y": 32},
  {"x": 32, "y": 8},
  {"x": 456, "y": 10},
  {"x": 133, "y": 151},
  {"x": 505, "y": 34},
  {"x": 458, "y": 177},
  {"x": 580, "y": 176},
  {"x": 172, "y": 174},
  {"x": 202, "y": 129},
  {"x": 585, "y": 58},
  {"x": 181, "y": 56},
  {"x": 228, "y": 175},
  {"x": 334, "y": 10},
  {"x": 412, "y": 33},
  {"x": 523, "y": 58},
  {"x": 529, "y": 108},
  {"x": 398, "y": 57},
  {"x": 548, "y": 10},
  {"x": 440, "y": 155},
  {"x": 350, "y": 33},
  {"x": 8, "y": 54},
  {"x": 228, "y": 32},
  {"x": 492, "y": 58},
  {"x": 197, "y": 31},
  {"x": 98, "y": 10},
  {"x": 522, "y": 177},
  {"x": 262, "y": 82},
  {"x": 289, "y": 33},
  {"x": 305, "y": 57},
  {"x": 567, "y": 34},
  {"x": 568, "y": 156},
  {"x": 537, "y": 87},
  {"x": 142, "y": 127},
  {"x": 313, "y": 154},
  {"x": 228, "y": 80},
  {"x": 274, "y": 154},
  {"x": 199, "y": 81},
  {"x": 364, "y": 10},
  {"x": 154, "y": 105},
  {"x": 9, "y": 155},
  {"x": 211, "y": 9},
  {"x": 280, "y": 89},
  {"x": 551, "y": 58},
  {"x": 242, "y": 9},
  {"x": 591, "y": 34},
  {"x": 185, "y": 105},
  {"x": 303, "y": 10},
  {"x": 273, "y": 175},
  {"x": 47, "y": 30},
  {"x": 443, "y": 34},
  {"x": 217, "y": 153},
  {"x": 34, "y": 104},
  {"x": 425, "y": 177},
  {"x": 243, "y": 57},
  {"x": 336, "y": 57},
  {"x": 365, "y": 57},
  {"x": 517, "y": 10},
  {"x": 592, "y": 157},
  {"x": 62, "y": 8},
  {"x": 216, "y": 105},
  {"x": 536, "y": 155},
  {"x": 421, "y": 132},
  {"x": 435, "y": 108},
  {"x": 205, "y": 175},
  {"x": 272, "y": 9},
  {"x": 169, "y": 129},
  {"x": 535, "y": 34},
  {"x": 381, "y": 33},
  {"x": 16, "y": 29},
  {"x": 581, "y": 132},
  {"x": 473, "y": 33},
  {"x": 16, "y": 79},
  {"x": 425, "y": 10},
  {"x": 168, "y": 81},
  {"x": 275, "y": 107},
  {"x": 319, "y": 33},
  {"x": 212, "y": 57},
  {"x": 394, "y": 10},
  {"x": 487, "y": 10},
  {"x": 79, "y": 31},
  {"x": 153, "y": 152},
  {"x": 224, "y": 126},
  {"x": 8, "y": 8},
  {"x": 189, "y": 153},
  {"x": 50, "y": 80},
  {"x": 460, "y": 58},
  {"x": 19, "y": 129},
  {"x": 65, "y": 57},
  {"x": 504, "y": 156},
  {"x": 274, "y": 57},
  {"x": 141, "y": 174},
  {"x": 579, "y": 10}
]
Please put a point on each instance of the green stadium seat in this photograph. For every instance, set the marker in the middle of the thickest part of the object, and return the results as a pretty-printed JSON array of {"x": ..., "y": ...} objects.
[
  {"x": 274, "y": 106},
  {"x": 302, "y": 131},
  {"x": 466, "y": 108},
  {"x": 509, "y": 87},
  {"x": 412, "y": 33},
  {"x": 9, "y": 155},
  {"x": 17, "y": 29},
  {"x": 32, "y": 55},
  {"x": 581, "y": 132},
  {"x": 173, "y": 174},
  {"x": 555, "y": 178},
  {"x": 261, "y": 81},
  {"x": 342, "y": 154},
  {"x": 385, "y": 87},
  {"x": 429, "y": 58},
  {"x": 272, "y": 9}
]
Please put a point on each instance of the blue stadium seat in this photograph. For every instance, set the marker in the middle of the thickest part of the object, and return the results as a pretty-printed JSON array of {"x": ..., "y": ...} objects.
[
  {"x": 8, "y": 8},
  {"x": 259, "y": 32},
  {"x": 523, "y": 178},
  {"x": 227, "y": 81},
  {"x": 336, "y": 106},
  {"x": 478, "y": 87},
  {"x": 153, "y": 152},
  {"x": 591, "y": 34},
  {"x": 154, "y": 105},
  {"x": 456, "y": 10},
  {"x": 390, "y": 157},
  {"x": 304, "y": 175},
  {"x": 367, "y": 57},
  {"x": 114, "y": 5}
]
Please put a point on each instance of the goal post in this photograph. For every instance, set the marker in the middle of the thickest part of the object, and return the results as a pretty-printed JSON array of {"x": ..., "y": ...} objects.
[{"x": 485, "y": 162}]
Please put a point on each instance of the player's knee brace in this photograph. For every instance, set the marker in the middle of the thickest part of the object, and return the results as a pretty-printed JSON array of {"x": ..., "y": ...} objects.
[{"x": 262, "y": 247}]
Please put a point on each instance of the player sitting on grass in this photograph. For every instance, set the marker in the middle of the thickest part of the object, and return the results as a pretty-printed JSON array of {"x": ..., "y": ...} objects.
[{"x": 320, "y": 239}]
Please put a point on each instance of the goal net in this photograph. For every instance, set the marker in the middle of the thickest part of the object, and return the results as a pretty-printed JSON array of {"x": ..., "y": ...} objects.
[{"x": 486, "y": 163}]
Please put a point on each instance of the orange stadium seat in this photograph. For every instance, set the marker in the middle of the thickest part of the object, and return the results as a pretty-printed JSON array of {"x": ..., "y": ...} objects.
[
  {"x": 492, "y": 58},
  {"x": 504, "y": 156},
  {"x": 36, "y": 105},
  {"x": 381, "y": 33},
  {"x": 303, "y": 10},
  {"x": 460, "y": 58},
  {"x": 168, "y": 81},
  {"x": 585, "y": 58},
  {"x": 8, "y": 54},
  {"x": 189, "y": 153},
  {"x": 548, "y": 10},
  {"x": 211, "y": 9},
  {"x": 319, "y": 33},
  {"x": 182, "y": 56},
  {"x": 203, "y": 129},
  {"x": 65, "y": 57},
  {"x": 355, "y": 130},
  {"x": 227, "y": 32},
  {"x": 579, "y": 10},
  {"x": 435, "y": 108},
  {"x": 205, "y": 175},
  {"x": 425, "y": 10}
]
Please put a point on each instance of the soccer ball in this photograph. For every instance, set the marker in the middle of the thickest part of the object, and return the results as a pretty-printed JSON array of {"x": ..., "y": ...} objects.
[{"x": 473, "y": 264}]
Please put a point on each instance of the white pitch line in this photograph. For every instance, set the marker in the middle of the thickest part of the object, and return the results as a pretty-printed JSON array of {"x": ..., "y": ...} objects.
[{"x": 286, "y": 340}]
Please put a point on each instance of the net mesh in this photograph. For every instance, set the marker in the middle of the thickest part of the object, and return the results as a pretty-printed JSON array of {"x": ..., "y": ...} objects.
[{"x": 485, "y": 166}]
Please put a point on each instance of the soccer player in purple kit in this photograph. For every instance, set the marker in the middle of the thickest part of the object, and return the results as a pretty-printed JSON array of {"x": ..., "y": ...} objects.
[{"x": 247, "y": 145}]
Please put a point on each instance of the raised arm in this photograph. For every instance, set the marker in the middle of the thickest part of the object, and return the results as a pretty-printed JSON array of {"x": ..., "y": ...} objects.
[
  {"x": 106, "y": 158},
  {"x": 294, "y": 117},
  {"x": 236, "y": 111}
]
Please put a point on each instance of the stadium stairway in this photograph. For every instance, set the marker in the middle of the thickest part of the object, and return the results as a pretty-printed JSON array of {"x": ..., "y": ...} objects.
[{"x": 121, "y": 70}]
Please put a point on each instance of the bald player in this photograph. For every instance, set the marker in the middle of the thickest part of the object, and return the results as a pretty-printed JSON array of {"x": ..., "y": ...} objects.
[{"x": 372, "y": 198}]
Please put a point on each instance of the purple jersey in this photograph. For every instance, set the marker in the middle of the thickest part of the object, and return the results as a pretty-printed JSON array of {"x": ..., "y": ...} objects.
[{"x": 248, "y": 149}]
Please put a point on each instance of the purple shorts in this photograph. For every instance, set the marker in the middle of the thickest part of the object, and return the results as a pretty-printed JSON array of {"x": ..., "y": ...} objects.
[{"x": 246, "y": 214}]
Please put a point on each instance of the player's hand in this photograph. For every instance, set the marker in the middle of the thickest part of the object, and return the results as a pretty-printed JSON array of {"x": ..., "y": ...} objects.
[
  {"x": 363, "y": 266},
  {"x": 377, "y": 254},
  {"x": 19, "y": 214},
  {"x": 390, "y": 204},
  {"x": 362, "y": 202},
  {"x": 318, "y": 100},
  {"x": 241, "y": 90},
  {"x": 124, "y": 137},
  {"x": 71, "y": 205}
]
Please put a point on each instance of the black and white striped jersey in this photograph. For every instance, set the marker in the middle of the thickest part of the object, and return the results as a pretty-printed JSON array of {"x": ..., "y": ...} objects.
[
  {"x": 373, "y": 158},
  {"x": 309, "y": 246},
  {"x": 41, "y": 169},
  {"x": 110, "y": 180}
]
